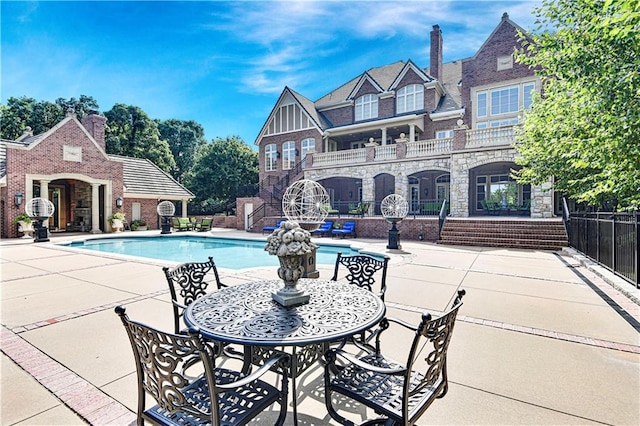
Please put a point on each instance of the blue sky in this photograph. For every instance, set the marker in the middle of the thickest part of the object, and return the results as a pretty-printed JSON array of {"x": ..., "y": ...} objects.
[{"x": 224, "y": 63}]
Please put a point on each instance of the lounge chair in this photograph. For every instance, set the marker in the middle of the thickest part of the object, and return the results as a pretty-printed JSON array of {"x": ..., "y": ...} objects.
[
  {"x": 349, "y": 229},
  {"x": 272, "y": 228},
  {"x": 181, "y": 223},
  {"x": 203, "y": 225},
  {"x": 324, "y": 229}
]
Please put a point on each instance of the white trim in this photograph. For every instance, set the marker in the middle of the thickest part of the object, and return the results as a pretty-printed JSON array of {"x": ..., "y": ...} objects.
[
  {"x": 374, "y": 124},
  {"x": 439, "y": 116}
]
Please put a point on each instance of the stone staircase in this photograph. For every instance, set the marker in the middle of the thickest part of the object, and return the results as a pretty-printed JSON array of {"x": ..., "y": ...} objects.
[{"x": 539, "y": 234}]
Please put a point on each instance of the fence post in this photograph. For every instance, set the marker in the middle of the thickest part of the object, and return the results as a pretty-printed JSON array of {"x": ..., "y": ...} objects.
[
  {"x": 637, "y": 253},
  {"x": 598, "y": 237},
  {"x": 613, "y": 241}
]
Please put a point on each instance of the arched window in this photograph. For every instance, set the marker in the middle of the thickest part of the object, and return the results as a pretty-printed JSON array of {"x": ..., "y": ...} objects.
[
  {"x": 288, "y": 155},
  {"x": 410, "y": 98},
  {"x": 270, "y": 158},
  {"x": 366, "y": 107}
]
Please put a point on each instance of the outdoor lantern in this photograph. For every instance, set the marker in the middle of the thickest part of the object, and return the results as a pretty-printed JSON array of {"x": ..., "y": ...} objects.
[
  {"x": 119, "y": 202},
  {"x": 18, "y": 198}
]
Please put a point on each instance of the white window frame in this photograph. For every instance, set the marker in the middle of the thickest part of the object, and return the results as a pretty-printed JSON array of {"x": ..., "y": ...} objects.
[
  {"x": 502, "y": 102},
  {"x": 306, "y": 146},
  {"x": 288, "y": 155},
  {"x": 444, "y": 134},
  {"x": 270, "y": 158},
  {"x": 481, "y": 104},
  {"x": 527, "y": 94},
  {"x": 507, "y": 112},
  {"x": 366, "y": 106},
  {"x": 410, "y": 98}
]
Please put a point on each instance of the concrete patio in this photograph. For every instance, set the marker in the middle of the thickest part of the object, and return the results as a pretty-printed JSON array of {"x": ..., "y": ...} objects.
[{"x": 541, "y": 338}]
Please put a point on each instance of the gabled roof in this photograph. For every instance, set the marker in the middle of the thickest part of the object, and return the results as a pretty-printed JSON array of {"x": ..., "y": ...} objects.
[
  {"x": 32, "y": 141},
  {"x": 505, "y": 20},
  {"x": 364, "y": 78},
  {"x": 142, "y": 177},
  {"x": 410, "y": 66},
  {"x": 306, "y": 105},
  {"x": 383, "y": 76}
]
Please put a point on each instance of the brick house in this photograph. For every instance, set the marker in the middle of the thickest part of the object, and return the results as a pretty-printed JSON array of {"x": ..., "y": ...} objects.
[
  {"x": 444, "y": 132},
  {"x": 69, "y": 166}
]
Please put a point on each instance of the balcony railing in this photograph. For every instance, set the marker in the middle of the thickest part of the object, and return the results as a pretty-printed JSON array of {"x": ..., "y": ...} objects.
[
  {"x": 348, "y": 156},
  {"x": 479, "y": 138},
  {"x": 429, "y": 147},
  {"x": 490, "y": 137},
  {"x": 386, "y": 152}
]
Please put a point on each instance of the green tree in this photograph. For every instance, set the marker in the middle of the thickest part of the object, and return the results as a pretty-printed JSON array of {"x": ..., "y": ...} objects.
[
  {"x": 219, "y": 168},
  {"x": 130, "y": 132},
  {"x": 183, "y": 137},
  {"x": 39, "y": 115},
  {"x": 584, "y": 129}
]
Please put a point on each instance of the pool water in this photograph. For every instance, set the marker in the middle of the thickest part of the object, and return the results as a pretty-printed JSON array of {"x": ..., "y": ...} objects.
[{"x": 228, "y": 253}]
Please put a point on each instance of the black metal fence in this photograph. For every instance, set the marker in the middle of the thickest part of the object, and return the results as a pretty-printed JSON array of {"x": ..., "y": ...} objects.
[{"x": 611, "y": 239}]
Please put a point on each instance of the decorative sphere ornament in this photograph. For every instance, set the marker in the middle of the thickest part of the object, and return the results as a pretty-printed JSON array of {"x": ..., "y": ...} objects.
[
  {"x": 39, "y": 207},
  {"x": 394, "y": 206},
  {"x": 166, "y": 208},
  {"x": 307, "y": 203}
]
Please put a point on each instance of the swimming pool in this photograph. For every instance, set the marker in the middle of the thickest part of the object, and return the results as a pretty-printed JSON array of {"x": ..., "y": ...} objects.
[{"x": 228, "y": 253}]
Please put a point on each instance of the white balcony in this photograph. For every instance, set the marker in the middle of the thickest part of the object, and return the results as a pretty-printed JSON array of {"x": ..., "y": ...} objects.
[
  {"x": 429, "y": 147},
  {"x": 334, "y": 158},
  {"x": 497, "y": 136}
]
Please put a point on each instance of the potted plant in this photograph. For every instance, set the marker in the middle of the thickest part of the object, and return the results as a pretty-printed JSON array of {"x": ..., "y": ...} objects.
[
  {"x": 139, "y": 225},
  {"x": 116, "y": 220},
  {"x": 25, "y": 224}
]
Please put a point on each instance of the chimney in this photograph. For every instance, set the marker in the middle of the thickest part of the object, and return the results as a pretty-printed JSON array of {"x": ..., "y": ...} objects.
[
  {"x": 95, "y": 125},
  {"x": 28, "y": 132},
  {"x": 435, "y": 60}
]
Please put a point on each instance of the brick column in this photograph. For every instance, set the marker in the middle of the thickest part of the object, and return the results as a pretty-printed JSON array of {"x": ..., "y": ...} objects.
[{"x": 460, "y": 137}]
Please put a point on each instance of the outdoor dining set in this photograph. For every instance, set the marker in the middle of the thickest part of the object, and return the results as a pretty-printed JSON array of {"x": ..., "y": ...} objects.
[{"x": 342, "y": 328}]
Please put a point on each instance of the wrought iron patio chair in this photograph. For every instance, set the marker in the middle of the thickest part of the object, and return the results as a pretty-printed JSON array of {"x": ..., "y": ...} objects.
[
  {"x": 363, "y": 271},
  {"x": 399, "y": 392},
  {"x": 188, "y": 282},
  {"x": 216, "y": 397}
]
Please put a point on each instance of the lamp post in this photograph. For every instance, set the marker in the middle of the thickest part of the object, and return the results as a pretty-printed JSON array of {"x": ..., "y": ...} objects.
[
  {"x": 394, "y": 208},
  {"x": 165, "y": 210},
  {"x": 40, "y": 209}
]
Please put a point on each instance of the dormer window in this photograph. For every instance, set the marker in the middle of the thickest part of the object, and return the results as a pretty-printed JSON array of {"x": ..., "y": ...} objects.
[
  {"x": 366, "y": 107},
  {"x": 410, "y": 98}
]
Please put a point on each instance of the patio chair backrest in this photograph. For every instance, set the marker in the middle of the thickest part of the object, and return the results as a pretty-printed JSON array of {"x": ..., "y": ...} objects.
[
  {"x": 428, "y": 354},
  {"x": 205, "y": 224},
  {"x": 362, "y": 271},
  {"x": 349, "y": 226},
  {"x": 160, "y": 362},
  {"x": 400, "y": 394},
  {"x": 188, "y": 282}
]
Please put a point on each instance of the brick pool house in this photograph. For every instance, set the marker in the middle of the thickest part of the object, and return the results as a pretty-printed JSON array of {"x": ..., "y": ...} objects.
[{"x": 69, "y": 166}]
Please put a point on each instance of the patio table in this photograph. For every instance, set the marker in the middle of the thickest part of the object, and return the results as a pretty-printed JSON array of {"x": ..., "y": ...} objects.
[{"x": 246, "y": 314}]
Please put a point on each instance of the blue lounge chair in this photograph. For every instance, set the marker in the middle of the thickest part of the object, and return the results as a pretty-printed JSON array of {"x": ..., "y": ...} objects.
[
  {"x": 324, "y": 229},
  {"x": 272, "y": 228},
  {"x": 349, "y": 229}
]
